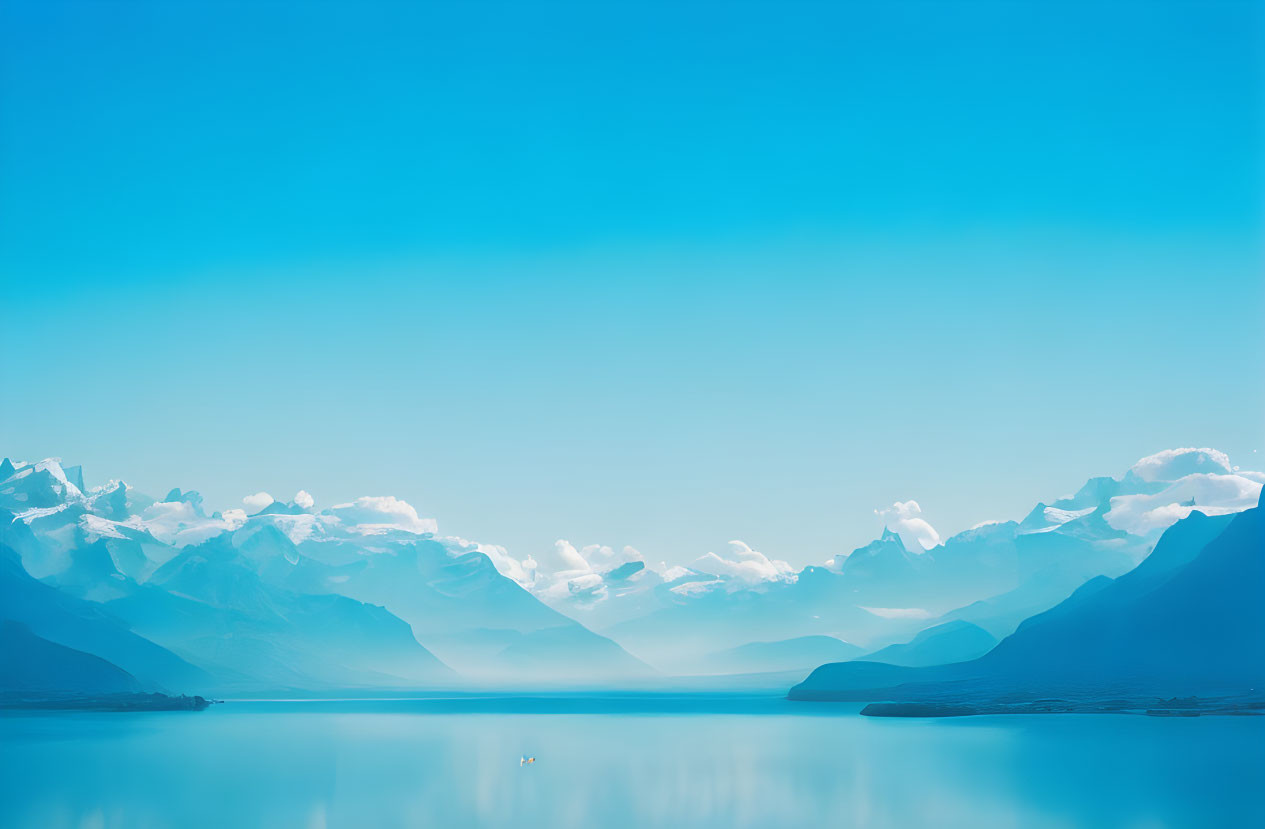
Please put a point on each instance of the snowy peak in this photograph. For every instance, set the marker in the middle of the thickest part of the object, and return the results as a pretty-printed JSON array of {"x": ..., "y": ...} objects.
[
  {"x": 38, "y": 486},
  {"x": 279, "y": 508},
  {"x": 1095, "y": 491},
  {"x": 1151, "y": 496},
  {"x": 74, "y": 475},
  {"x": 885, "y": 558},
  {"x": 1044, "y": 519}
]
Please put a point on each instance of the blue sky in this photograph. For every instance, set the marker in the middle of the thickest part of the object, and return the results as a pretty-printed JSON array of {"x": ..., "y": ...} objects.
[{"x": 660, "y": 275}]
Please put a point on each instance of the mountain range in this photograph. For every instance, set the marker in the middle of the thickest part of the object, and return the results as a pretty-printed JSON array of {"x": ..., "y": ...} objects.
[
  {"x": 1187, "y": 621},
  {"x": 367, "y": 595},
  {"x": 993, "y": 575}
]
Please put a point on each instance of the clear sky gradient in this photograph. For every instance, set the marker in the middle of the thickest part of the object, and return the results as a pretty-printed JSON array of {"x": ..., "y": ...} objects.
[{"x": 659, "y": 275}]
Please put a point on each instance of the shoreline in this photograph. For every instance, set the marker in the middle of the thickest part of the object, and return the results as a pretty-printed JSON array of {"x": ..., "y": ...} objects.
[
  {"x": 1154, "y": 707},
  {"x": 107, "y": 702}
]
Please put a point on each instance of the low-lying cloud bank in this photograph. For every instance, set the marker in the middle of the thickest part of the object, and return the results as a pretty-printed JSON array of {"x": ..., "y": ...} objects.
[{"x": 1183, "y": 481}]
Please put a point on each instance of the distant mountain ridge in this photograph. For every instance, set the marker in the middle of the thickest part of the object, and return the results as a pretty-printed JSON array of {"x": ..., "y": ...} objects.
[
  {"x": 32, "y": 664},
  {"x": 944, "y": 644},
  {"x": 284, "y": 599},
  {"x": 367, "y": 594},
  {"x": 994, "y": 575},
  {"x": 800, "y": 654},
  {"x": 1187, "y": 621},
  {"x": 88, "y": 626}
]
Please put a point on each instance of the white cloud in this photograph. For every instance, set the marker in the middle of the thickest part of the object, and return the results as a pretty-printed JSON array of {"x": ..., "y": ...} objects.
[
  {"x": 303, "y": 499},
  {"x": 744, "y": 564},
  {"x": 1210, "y": 494},
  {"x": 522, "y": 572},
  {"x": 372, "y": 514},
  {"x": 595, "y": 558},
  {"x": 256, "y": 502},
  {"x": 563, "y": 558},
  {"x": 1173, "y": 464},
  {"x": 584, "y": 590},
  {"x": 565, "y": 572},
  {"x": 903, "y": 518}
]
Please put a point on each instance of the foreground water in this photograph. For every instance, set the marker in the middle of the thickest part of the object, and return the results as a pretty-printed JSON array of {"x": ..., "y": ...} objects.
[{"x": 622, "y": 763}]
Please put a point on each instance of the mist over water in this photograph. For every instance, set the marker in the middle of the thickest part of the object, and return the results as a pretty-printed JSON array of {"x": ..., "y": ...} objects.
[{"x": 752, "y": 762}]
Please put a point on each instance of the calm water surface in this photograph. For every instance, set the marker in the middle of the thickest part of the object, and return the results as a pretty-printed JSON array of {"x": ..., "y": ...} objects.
[{"x": 622, "y": 763}]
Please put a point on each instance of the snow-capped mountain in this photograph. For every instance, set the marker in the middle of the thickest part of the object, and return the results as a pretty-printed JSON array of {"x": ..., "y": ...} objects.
[
  {"x": 368, "y": 593},
  {"x": 993, "y": 575},
  {"x": 1186, "y": 622},
  {"x": 286, "y": 597}
]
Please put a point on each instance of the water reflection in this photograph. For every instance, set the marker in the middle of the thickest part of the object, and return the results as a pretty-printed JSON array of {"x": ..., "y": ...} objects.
[{"x": 746, "y": 764}]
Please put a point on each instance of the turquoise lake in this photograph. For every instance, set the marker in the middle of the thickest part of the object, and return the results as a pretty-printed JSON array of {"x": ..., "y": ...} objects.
[{"x": 708, "y": 762}]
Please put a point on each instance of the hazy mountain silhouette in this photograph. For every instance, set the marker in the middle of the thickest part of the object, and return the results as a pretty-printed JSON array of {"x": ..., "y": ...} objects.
[
  {"x": 89, "y": 627},
  {"x": 1188, "y": 620},
  {"x": 33, "y": 664},
  {"x": 802, "y": 653},
  {"x": 950, "y": 642}
]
